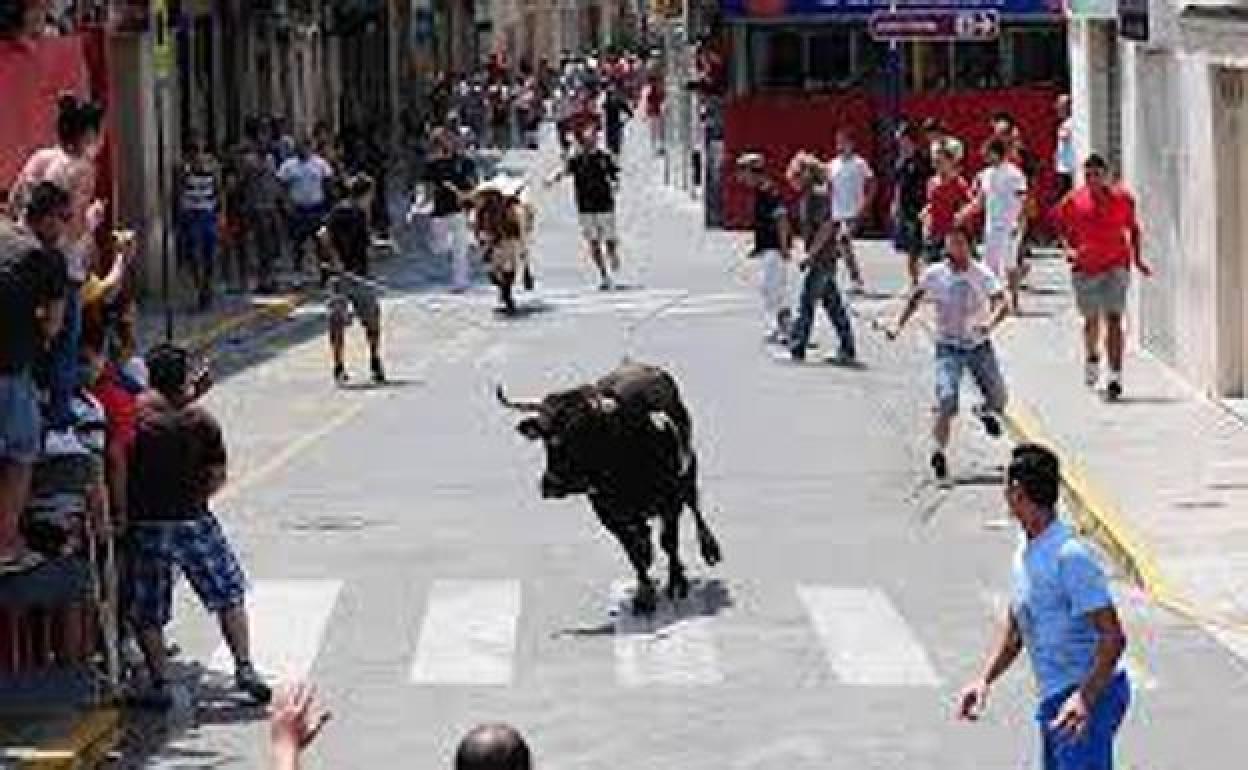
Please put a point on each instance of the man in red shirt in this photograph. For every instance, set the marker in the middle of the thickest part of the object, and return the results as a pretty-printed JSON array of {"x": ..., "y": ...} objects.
[
  {"x": 1101, "y": 238},
  {"x": 947, "y": 194}
]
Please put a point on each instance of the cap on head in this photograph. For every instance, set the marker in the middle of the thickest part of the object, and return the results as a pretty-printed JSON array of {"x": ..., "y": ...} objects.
[{"x": 493, "y": 747}]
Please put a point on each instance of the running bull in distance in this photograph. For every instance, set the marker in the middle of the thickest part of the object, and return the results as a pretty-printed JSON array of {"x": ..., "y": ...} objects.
[{"x": 625, "y": 442}]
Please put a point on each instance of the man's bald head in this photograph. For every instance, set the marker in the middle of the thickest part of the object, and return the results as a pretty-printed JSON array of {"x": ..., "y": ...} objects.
[{"x": 493, "y": 747}]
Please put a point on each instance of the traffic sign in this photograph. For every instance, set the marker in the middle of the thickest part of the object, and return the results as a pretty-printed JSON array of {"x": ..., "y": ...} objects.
[{"x": 920, "y": 25}]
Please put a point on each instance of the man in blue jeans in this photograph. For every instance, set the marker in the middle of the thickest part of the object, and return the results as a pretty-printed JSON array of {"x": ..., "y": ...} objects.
[
  {"x": 819, "y": 284},
  {"x": 969, "y": 302},
  {"x": 1062, "y": 613}
]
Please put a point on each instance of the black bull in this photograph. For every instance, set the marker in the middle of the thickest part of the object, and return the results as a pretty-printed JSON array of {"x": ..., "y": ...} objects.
[{"x": 626, "y": 442}]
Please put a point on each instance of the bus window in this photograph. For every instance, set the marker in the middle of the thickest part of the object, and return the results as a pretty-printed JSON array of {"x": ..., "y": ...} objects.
[
  {"x": 776, "y": 58},
  {"x": 1037, "y": 55},
  {"x": 831, "y": 59},
  {"x": 978, "y": 65},
  {"x": 931, "y": 67}
]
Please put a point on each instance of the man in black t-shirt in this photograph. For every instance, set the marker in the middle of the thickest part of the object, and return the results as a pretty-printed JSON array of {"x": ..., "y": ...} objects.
[
  {"x": 176, "y": 465},
  {"x": 616, "y": 111},
  {"x": 911, "y": 172},
  {"x": 595, "y": 176},
  {"x": 346, "y": 239},
  {"x": 449, "y": 177}
]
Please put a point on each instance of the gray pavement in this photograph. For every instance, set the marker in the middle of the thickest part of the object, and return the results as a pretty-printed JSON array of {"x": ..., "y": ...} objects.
[{"x": 854, "y": 600}]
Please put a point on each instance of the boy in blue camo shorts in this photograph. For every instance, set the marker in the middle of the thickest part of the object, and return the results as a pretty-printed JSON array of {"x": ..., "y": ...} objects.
[{"x": 177, "y": 463}]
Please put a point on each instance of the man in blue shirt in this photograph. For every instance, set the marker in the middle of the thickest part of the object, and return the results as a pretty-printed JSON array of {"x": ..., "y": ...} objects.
[{"x": 1063, "y": 615}]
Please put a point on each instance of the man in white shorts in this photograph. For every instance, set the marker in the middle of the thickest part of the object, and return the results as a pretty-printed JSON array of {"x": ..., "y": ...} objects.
[
  {"x": 1000, "y": 192},
  {"x": 595, "y": 176}
]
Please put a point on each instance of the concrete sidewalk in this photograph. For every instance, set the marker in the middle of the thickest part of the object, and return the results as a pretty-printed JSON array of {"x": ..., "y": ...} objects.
[{"x": 1161, "y": 476}]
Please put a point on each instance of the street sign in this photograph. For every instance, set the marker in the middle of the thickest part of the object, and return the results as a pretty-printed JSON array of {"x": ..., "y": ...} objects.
[
  {"x": 162, "y": 41},
  {"x": 1133, "y": 20},
  {"x": 969, "y": 26}
]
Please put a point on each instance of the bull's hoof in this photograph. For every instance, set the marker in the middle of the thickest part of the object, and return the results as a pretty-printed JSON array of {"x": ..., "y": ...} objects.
[
  {"x": 711, "y": 553},
  {"x": 677, "y": 587},
  {"x": 646, "y": 601}
]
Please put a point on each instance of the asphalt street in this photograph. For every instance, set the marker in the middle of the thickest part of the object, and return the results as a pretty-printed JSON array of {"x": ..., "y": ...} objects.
[{"x": 402, "y": 558}]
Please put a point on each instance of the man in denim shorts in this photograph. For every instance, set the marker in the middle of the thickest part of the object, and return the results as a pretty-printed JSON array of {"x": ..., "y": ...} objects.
[
  {"x": 969, "y": 303},
  {"x": 177, "y": 463},
  {"x": 1062, "y": 613}
]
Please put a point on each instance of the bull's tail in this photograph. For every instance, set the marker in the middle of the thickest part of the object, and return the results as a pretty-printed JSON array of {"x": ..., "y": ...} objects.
[{"x": 708, "y": 544}]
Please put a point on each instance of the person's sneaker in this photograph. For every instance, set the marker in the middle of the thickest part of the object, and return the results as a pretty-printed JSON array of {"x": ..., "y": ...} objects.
[
  {"x": 1091, "y": 373},
  {"x": 989, "y": 419},
  {"x": 249, "y": 682},
  {"x": 59, "y": 443},
  {"x": 858, "y": 288},
  {"x": 940, "y": 465},
  {"x": 797, "y": 354},
  {"x": 379, "y": 373},
  {"x": 605, "y": 285},
  {"x": 1113, "y": 391},
  {"x": 340, "y": 374}
]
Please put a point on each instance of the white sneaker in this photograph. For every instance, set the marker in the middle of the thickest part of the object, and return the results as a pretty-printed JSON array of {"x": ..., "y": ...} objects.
[
  {"x": 58, "y": 443},
  {"x": 1091, "y": 373}
]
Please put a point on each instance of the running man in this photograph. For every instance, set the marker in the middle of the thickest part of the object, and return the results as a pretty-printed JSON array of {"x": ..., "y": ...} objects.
[
  {"x": 345, "y": 238},
  {"x": 450, "y": 177},
  {"x": 595, "y": 176},
  {"x": 911, "y": 173},
  {"x": 1101, "y": 238},
  {"x": 1063, "y": 615},
  {"x": 1000, "y": 192},
  {"x": 969, "y": 303}
]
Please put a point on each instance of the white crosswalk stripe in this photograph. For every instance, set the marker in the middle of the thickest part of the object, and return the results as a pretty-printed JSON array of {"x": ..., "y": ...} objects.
[
  {"x": 665, "y": 648},
  {"x": 469, "y": 633},
  {"x": 866, "y": 640},
  {"x": 288, "y": 620}
]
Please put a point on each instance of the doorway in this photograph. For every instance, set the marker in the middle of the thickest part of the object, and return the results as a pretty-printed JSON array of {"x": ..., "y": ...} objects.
[{"x": 1231, "y": 130}]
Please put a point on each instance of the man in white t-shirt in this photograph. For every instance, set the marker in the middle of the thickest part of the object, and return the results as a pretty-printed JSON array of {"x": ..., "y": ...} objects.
[
  {"x": 305, "y": 176},
  {"x": 852, "y": 185},
  {"x": 969, "y": 303},
  {"x": 1000, "y": 194}
]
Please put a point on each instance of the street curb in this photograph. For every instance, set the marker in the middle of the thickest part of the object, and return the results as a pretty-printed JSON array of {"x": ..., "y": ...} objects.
[
  {"x": 280, "y": 308},
  {"x": 87, "y": 745},
  {"x": 1097, "y": 516}
]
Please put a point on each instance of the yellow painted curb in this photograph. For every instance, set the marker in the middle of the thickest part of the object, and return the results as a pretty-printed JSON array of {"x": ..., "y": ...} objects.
[
  {"x": 85, "y": 747},
  {"x": 1097, "y": 515},
  {"x": 226, "y": 326}
]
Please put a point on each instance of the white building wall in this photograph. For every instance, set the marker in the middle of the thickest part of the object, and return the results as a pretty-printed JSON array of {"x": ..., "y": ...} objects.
[{"x": 1170, "y": 160}]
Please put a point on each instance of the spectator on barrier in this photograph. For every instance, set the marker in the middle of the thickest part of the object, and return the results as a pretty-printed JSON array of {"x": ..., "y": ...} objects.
[
  {"x": 71, "y": 166},
  {"x": 177, "y": 464},
  {"x": 33, "y": 285}
]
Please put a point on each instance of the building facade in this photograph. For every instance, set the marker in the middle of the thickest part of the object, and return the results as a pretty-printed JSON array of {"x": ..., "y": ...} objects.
[{"x": 1172, "y": 110}]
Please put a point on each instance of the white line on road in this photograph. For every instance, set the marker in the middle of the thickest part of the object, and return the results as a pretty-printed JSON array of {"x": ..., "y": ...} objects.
[
  {"x": 665, "y": 648},
  {"x": 865, "y": 638},
  {"x": 469, "y": 633},
  {"x": 288, "y": 619}
]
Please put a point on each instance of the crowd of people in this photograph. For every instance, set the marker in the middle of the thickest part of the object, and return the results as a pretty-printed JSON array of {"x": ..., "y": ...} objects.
[
  {"x": 99, "y": 446},
  {"x": 965, "y": 242}
]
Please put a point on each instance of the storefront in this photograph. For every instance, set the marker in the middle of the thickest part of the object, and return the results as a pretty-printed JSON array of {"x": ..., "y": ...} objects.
[{"x": 799, "y": 70}]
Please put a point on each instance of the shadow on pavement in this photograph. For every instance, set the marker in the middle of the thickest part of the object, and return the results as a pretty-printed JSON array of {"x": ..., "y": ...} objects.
[{"x": 707, "y": 598}]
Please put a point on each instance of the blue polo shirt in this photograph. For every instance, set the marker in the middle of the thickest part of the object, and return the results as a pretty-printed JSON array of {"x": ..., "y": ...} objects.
[{"x": 1057, "y": 582}]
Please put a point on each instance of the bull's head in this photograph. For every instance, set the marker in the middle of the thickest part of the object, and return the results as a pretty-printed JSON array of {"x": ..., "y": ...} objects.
[{"x": 575, "y": 426}]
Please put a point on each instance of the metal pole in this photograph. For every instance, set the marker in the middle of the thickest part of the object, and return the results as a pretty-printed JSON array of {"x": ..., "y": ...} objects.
[{"x": 165, "y": 215}]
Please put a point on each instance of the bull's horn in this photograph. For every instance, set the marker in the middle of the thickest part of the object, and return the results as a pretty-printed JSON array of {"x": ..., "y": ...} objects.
[{"x": 519, "y": 406}]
